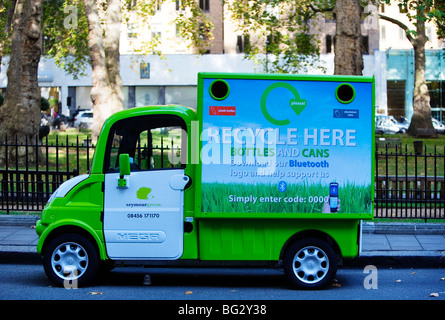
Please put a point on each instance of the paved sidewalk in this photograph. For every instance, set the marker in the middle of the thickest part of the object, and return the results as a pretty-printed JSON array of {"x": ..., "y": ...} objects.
[
  {"x": 403, "y": 245},
  {"x": 403, "y": 239},
  {"x": 18, "y": 239},
  {"x": 389, "y": 240}
]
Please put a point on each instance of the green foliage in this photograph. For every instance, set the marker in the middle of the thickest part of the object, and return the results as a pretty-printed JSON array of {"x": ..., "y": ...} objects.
[
  {"x": 5, "y": 26},
  {"x": 192, "y": 24},
  {"x": 44, "y": 104},
  {"x": 426, "y": 10},
  {"x": 438, "y": 11},
  {"x": 65, "y": 32},
  {"x": 279, "y": 32},
  {"x": 195, "y": 26}
]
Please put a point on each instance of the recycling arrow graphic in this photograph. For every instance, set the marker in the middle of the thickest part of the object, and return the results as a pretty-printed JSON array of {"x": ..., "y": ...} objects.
[{"x": 297, "y": 104}]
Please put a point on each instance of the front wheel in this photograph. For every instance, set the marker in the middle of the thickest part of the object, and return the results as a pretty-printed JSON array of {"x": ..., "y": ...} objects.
[
  {"x": 310, "y": 263},
  {"x": 70, "y": 260}
]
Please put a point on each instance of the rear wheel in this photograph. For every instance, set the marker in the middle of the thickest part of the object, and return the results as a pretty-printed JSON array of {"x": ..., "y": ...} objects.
[
  {"x": 310, "y": 263},
  {"x": 70, "y": 260}
]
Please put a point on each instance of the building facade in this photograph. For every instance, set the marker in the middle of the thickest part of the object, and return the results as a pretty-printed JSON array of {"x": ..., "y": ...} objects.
[{"x": 172, "y": 77}]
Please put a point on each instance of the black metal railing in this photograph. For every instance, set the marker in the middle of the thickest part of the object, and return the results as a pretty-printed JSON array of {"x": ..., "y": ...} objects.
[
  {"x": 408, "y": 183},
  {"x": 31, "y": 171},
  {"x": 27, "y": 185}
]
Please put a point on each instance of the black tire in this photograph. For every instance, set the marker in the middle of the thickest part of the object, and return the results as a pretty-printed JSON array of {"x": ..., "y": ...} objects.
[
  {"x": 71, "y": 260},
  {"x": 310, "y": 264}
]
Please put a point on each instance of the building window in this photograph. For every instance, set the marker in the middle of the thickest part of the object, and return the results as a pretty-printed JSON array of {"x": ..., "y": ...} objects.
[
  {"x": 365, "y": 44},
  {"x": 403, "y": 8},
  {"x": 328, "y": 43},
  {"x": 272, "y": 41},
  {"x": 132, "y": 30},
  {"x": 183, "y": 95},
  {"x": 242, "y": 43},
  {"x": 429, "y": 33},
  {"x": 204, "y": 5},
  {"x": 383, "y": 32},
  {"x": 178, "y": 31},
  {"x": 204, "y": 31},
  {"x": 396, "y": 97},
  {"x": 273, "y": 11},
  {"x": 178, "y": 5},
  {"x": 158, "y": 5},
  {"x": 436, "y": 89},
  {"x": 156, "y": 31},
  {"x": 402, "y": 34},
  {"x": 144, "y": 70},
  {"x": 82, "y": 98},
  {"x": 146, "y": 96}
]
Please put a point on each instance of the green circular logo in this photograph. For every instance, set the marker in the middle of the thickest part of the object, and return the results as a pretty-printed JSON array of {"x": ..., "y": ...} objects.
[{"x": 297, "y": 104}]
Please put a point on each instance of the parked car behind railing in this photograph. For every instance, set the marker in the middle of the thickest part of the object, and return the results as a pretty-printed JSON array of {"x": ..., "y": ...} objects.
[
  {"x": 389, "y": 125},
  {"x": 439, "y": 126},
  {"x": 386, "y": 126},
  {"x": 84, "y": 119}
]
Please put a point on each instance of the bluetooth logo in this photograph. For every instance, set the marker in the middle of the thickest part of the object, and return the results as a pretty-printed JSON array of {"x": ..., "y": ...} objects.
[{"x": 282, "y": 186}]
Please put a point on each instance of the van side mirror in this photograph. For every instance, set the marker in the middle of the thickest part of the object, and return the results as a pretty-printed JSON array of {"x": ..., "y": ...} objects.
[{"x": 124, "y": 170}]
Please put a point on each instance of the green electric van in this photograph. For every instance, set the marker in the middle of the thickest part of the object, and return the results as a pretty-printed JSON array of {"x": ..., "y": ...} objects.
[{"x": 268, "y": 168}]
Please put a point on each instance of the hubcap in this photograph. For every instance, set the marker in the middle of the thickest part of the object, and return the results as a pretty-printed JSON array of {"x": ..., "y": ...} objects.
[
  {"x": 69, "y": 261},
  {"x": 310, "y": 265}
]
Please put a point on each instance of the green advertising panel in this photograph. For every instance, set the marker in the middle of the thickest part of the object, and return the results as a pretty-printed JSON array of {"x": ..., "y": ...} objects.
[{"x": 282, "y": 144}]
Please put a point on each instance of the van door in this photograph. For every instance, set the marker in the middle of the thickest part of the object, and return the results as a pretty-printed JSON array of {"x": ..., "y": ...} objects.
[{"x": 144, "y": 217}]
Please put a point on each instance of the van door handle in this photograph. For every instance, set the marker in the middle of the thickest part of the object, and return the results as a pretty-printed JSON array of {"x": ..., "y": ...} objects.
[{"x": 179, "y": 181}]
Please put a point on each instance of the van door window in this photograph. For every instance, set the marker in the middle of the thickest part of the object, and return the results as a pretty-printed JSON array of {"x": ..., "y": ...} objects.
[{"x": 154, "y": 142}]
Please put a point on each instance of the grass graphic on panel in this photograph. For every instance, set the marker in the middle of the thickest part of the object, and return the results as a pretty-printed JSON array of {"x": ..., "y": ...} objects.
[{"x": 311, "y": 198}]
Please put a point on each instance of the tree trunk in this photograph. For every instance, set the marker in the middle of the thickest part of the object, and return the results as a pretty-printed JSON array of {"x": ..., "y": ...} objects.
[
  {"x": 348, "y": 58},
  {"x": 20, "y": 113},
  {"x": 421, "y": 99},
  {"x": 106, "y": 93}
]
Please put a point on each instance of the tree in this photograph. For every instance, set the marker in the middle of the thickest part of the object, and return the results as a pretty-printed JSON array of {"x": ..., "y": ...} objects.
[
  {"x": 103, "y": 43},
  {"x": 278, "y": 34},
  {"x": 194, "y": 26},
  {"x": 20, "y": 113},
  {"x": 438, "y": 12},
  {"x": 285, "y": 29},
  {"x": 65, "y": 33},
  {"x": 90, "y": 32},
  {"x": 6, "y": 14},
  {"x": 418, "y": 11},
  {"x": 77, "y": 32},
  {"x": 348, "y": 50}
]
